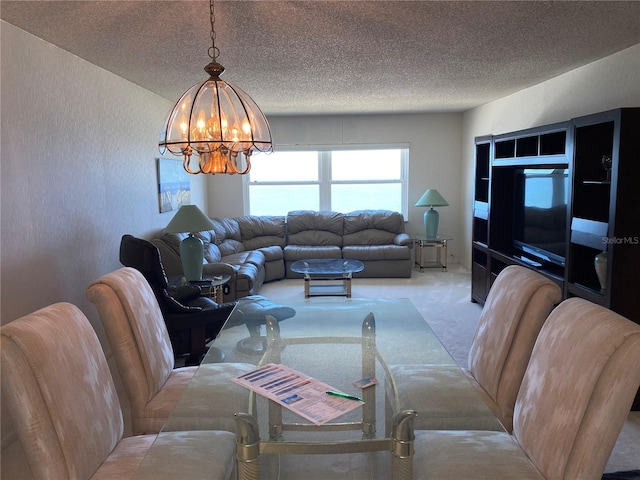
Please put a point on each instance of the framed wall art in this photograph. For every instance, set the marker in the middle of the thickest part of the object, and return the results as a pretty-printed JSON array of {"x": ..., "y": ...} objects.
[{"x": 174, "y": 185}]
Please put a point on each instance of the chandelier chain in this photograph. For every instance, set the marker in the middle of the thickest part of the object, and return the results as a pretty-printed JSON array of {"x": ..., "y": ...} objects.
[{"x": 214, "y": 53}]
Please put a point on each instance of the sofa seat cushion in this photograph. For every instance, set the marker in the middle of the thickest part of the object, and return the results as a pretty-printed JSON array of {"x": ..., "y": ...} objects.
[
  {"x": 369, "y": 237},
  {"x": 376, "y": 252},
  {"x": 307, "y": 252},
  {"x": 272, "y": 254},
  {"x": 274, "y": 263},
  {"x": 254, "y": 257},
  {"x": 481, "y": 455}
]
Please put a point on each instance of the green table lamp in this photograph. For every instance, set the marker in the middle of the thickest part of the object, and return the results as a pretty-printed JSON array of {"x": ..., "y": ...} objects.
[
  {"x": 190, "y": 219},
  {"x": 431, "y": 198}
]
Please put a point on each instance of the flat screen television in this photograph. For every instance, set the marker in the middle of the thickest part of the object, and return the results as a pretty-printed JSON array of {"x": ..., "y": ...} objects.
[{"x": 540, "y": 213}]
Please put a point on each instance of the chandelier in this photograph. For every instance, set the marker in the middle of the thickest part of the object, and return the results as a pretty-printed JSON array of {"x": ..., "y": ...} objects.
[{"x": 217, "y": 122}]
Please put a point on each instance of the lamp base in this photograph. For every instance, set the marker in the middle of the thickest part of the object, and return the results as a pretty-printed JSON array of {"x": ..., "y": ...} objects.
[
  {"x": 192, "y": 255},
  {"x": 431, "y": 218}
]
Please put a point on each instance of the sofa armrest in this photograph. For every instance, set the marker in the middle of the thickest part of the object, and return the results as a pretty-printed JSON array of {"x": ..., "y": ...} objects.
[
  {"x": 403, "y": 239},
  {"x": 219, "y": 269}
]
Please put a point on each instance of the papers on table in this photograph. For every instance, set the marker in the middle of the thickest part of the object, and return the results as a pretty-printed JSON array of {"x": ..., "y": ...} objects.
[{"x": 300, "y": 393}]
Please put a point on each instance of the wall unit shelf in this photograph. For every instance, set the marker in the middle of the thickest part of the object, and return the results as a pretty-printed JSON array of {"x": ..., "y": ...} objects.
[{"x": 552, "y": 198}]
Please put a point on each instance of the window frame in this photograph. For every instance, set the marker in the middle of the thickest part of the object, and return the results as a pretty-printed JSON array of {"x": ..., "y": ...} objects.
[{"x": 325, "y": 181}]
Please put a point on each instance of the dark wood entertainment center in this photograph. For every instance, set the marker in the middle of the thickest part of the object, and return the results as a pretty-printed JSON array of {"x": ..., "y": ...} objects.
[{"x": 601, "y": 153}]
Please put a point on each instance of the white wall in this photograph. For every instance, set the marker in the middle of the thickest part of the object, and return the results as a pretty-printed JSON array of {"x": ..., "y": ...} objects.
[
  {"x": 435, "y": 157},
  {"x": 609, "y": 83},
  {"x": 78, "y": 150}
]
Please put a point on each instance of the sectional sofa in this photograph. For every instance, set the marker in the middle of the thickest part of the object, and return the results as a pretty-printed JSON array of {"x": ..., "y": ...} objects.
[{"x": 258, "y": 249}]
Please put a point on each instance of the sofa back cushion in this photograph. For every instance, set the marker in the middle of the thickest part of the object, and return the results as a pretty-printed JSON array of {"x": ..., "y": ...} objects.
[
  {"x": 211, "y": 251},
  {"x": 372, "y": 227},
  {"x": 308, "y": 227},
  {"x": 577, "y": 390},
  {"x": 262, "y": 231},
  {"x": 173, "y": 240},
  {"x": 227, "y": 236}
]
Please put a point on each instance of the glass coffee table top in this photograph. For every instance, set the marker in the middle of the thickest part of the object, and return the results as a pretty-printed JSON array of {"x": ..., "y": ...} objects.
[
  {"x": 319, "y": 273},
  {"x": 327, "y": 266}
]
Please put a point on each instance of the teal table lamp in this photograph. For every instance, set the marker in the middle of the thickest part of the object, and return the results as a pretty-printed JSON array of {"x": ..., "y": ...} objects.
[
  {"x": 190, "y": 219},
  {"x": 431, "y": 198}
]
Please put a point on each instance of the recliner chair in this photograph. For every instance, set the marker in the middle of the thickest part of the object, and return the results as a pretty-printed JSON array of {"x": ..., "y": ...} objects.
[{"x": 192, "y": 320}]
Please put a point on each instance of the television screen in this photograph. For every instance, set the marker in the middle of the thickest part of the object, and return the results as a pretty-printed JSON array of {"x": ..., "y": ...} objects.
[{"x": 541, "y": 199}]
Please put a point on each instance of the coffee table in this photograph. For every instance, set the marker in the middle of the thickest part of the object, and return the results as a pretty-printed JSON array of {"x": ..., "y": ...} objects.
[
  {"x": 329, "y": 340},
  {"x": 327, "y": 269}
]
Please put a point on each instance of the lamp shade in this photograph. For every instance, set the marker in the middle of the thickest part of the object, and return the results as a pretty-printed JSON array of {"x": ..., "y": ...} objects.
[
  {"x": 189, "y": 218},
  {"x": 431, "y": 198}
]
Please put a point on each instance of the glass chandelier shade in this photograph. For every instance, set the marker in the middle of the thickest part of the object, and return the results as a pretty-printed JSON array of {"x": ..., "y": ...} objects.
[{"x": 216, "y": 121}]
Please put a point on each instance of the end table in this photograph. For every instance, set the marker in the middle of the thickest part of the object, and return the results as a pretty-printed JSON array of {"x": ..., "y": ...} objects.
[
  {"x": 213, "y": 286},
  {"x": 439, "y": 243}
]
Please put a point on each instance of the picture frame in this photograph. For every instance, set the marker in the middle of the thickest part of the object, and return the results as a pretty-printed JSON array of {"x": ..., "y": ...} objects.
[{"x": 174, "y": 185}]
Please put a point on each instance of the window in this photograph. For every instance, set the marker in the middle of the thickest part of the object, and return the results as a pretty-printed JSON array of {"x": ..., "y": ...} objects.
[{"x": 342, "y": 180}]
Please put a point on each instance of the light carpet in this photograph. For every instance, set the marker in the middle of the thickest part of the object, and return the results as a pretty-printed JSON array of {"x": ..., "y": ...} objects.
[{"x": 444, "y": 301}]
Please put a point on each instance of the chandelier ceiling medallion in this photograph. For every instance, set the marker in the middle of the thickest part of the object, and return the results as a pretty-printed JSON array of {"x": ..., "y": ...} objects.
[{"x": 216, "y": 121}]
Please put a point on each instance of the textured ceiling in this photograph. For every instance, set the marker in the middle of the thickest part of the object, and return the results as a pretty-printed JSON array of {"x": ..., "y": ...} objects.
[{"x": 333, "y": 57}]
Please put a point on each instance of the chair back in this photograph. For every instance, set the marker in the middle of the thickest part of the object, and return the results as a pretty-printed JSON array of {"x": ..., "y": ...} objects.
[
  {"x": 145, "y": 257},
  {"x": 59, "y": 392},
  {"x": 517, "y": 306},
  {"x": 136, "y": 329},
  {"x": 578, "y": 389}
]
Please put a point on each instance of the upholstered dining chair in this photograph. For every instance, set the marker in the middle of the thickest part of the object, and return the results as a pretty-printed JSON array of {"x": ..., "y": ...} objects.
[
  {"x": 575, "y": 396},
  {"x": 192, "y": 320},
  {"x": 517, "y": 306},
  {"x": 140, "y": 344},
  {"x": 63, "y": 403}
]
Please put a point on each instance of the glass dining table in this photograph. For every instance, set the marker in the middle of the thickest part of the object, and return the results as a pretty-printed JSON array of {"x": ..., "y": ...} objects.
[{"x": 336, "y": 341}]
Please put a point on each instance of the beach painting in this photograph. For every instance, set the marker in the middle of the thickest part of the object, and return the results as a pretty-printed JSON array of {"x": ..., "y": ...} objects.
[{"x": 174, "y": 187}]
